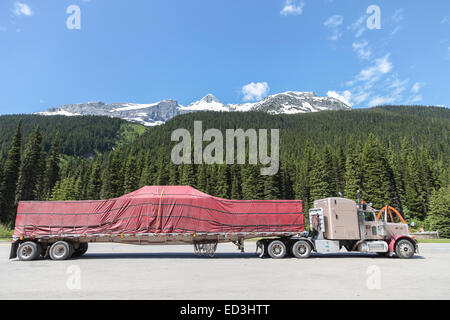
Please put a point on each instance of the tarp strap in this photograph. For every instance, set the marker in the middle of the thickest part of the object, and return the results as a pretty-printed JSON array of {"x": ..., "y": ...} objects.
[{"x": 159, "y": 219}]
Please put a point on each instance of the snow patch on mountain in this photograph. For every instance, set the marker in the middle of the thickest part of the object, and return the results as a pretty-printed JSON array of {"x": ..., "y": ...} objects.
[
  {"x": 60, "y": 112},
  {"x": 133, "y": 106}
]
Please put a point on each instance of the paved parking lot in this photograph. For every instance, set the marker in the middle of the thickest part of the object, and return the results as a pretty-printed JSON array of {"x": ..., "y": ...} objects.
[{"x": 117, "y": 271}]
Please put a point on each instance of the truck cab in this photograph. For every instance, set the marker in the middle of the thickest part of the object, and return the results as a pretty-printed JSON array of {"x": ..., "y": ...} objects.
[{"x": 338, "y": 223}]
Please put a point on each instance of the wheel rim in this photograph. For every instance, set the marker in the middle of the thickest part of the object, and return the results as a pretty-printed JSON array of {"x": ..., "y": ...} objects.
[
  {"x": 277, "y": 249},
  {"x": 59, "y": 251},
  {"x": 405, "y": 249},
  {"x": 27, "y": 251},
  {"x": 301, "y": 249}
]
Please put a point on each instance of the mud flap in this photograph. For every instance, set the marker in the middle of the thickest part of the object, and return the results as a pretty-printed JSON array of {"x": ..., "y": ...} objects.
[
  {"x": 13, "y": 252},
  {"x": 416, "y": 246}
]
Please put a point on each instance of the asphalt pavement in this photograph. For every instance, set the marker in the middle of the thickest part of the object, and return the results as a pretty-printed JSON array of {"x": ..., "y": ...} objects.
[{"x": 118, "y": 271}]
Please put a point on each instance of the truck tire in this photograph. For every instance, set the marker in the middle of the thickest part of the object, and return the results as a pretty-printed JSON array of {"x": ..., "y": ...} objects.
[
  {"x": 60, "y": 251},
  {"x": 28, "y": 251},
  {"x": 72, "y": 250},
  {"x": 81, "y": 250},
  {"x": 276, "y": 249},
  {"x": 404, "y": 249},
  {"x": 301, "y": 249}
]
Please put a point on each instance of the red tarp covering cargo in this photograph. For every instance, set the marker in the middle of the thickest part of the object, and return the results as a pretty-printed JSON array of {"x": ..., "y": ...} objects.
[{"x": 158, "y": 209}]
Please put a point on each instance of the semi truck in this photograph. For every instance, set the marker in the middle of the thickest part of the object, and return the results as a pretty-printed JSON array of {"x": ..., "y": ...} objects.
[
  {"x": 162, "y": 215},
  {"x": 338, "y": 224}
]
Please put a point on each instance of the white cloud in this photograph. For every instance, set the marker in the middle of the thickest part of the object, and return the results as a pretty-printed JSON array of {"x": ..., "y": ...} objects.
[
  {"x": 358, "y": 27},
  {"x": 2, "y": 29},
  {"x": 333, "y": 23},
  {"x": 362, "y": 49},
  {"x": 292, "y": 7},
  {"x": 397, "y": 19},
  {"x": 416, "y": 87},
  {"x": 415, "y": 90},
  {"x": 255, "y": 91},
  {"x": 397, "y": 29},
  {"x": 377, "y": 84},
  {"x": 374, "y": 73},
  {"x": 379, "y": 100},
  {"x": 344, "y": 96},
  {"x": 398, "y": 15},
  {"x": 22, "y": 9},
  {"x": 445, "y": 20},
  {"x": 415, "y": 99},
  {"x": 359, "y": 97}
]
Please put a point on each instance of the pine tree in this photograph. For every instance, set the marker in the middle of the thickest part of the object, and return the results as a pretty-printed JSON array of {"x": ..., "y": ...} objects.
[
  {"x": 271, "y": 187},
  {"x": 397, "y": 170},
  {"x": 375, "y": 179},
  {"x": 251, "y": 183},
  {"x": 322, "y": 180},
  {"x": 10, "y": 176},
  {"x": 287, "y": 177},
  {"x": 428, "y": 175},
  {"x": 65, "y": 190},
  {"x": 116, "y": 175},
  {"x": 41, "y": 179},
  {"x": 439, "y": 214},
  {"x": 340, "y": 170},
  {"x": 162, "y": 174},
  {"x": 112, "y": 177},
  {"x": 94, "y": 184},
  {"x": 302, "y": 184},
  {"x": 29, "y": 171},
  {"x": 52, "y": 167},
  {"x": 236, "y": 192},
  {"x": 201, "y": 178},
  {"x": 173, "y": 174},
  {"x": 130, "y": 180},
  {"x": 352, "y": 174},
  {"x": 329, "y": 172},
  {"x": 78, "y": 193},
  {"x": 222, "y": 186},
  {"x": 413, "y": 188},
  {"x": 188, "y": 175}
]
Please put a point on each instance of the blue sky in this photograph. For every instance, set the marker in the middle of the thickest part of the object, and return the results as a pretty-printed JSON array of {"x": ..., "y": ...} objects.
[{"x": 240, "y": 50}]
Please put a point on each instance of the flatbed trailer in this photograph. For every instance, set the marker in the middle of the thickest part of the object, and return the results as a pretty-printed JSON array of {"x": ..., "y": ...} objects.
[{"x": 149, "y": 216}]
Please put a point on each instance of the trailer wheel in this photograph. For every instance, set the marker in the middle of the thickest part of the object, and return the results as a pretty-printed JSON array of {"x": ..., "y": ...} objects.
[
  {"x": 261, "y": 245},
  {"x": 276, "y": 249},
  {"x": 301, "y": 249},
  {"x": 60, "y": 251},
  {"x": 81, "y": 250},
  {"x": 404, "y": 249},
  {"x": 28, "y": 251}
]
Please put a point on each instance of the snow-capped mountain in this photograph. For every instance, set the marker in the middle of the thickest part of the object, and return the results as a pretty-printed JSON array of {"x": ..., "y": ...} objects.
[
  {"x": 157, "y": 113},
  {"x": 146, "y": 114},
  {"x": 298, "y": 102},
  {"x": 207, "y": 103}
]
